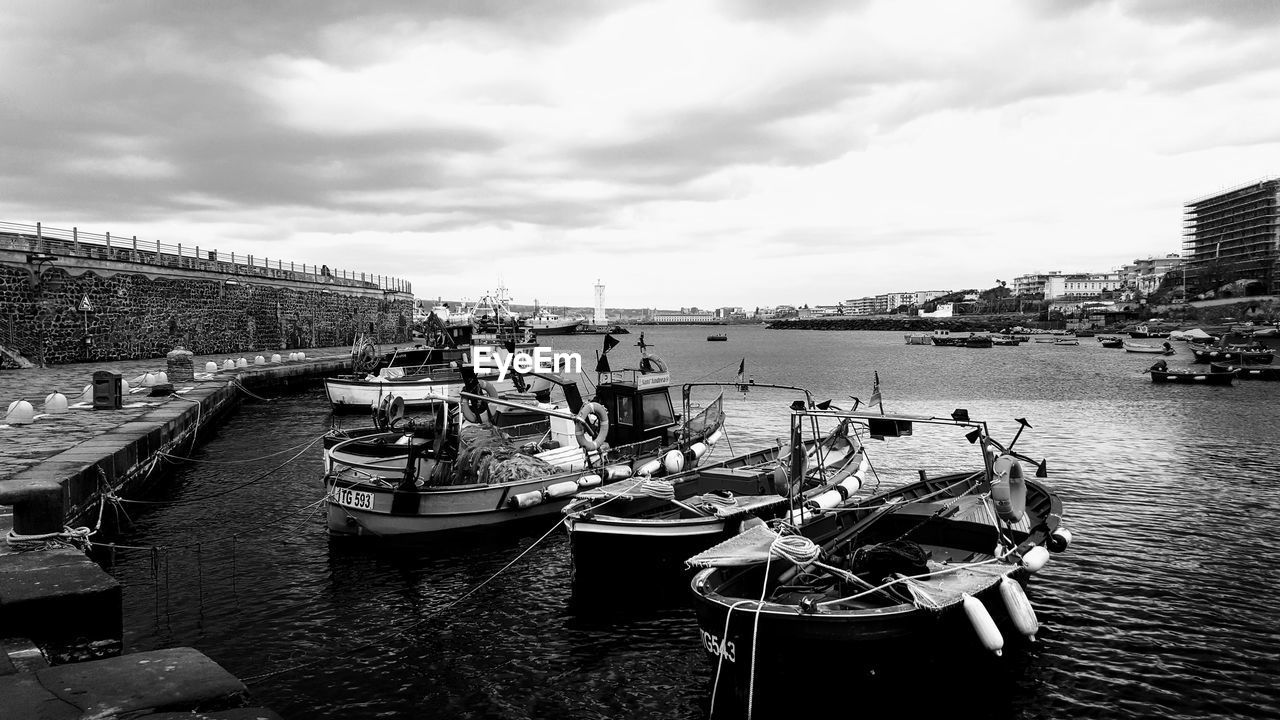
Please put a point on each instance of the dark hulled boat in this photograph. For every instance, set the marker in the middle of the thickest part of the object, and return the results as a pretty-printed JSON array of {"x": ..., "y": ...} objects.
[
  {"x": 1162, "y": 373},
  {"x": 1248, "y": 372}
]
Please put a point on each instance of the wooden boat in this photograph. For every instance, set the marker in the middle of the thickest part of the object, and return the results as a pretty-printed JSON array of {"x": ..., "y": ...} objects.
[
  {"x": 1162, "y": 373},
  {"x": 944, "y": 338},
  {"x": 918, "y": 567},
  {"x": 1248, "y": 372},
  {"x": 1150, "y": 330},
  {"x": 1066, "y": 341},
  {"x": 463, "y": 470},
  {"x": 1166, "y": 349},
  {"x": 976, "y": 340},
  {"x": 1236, "y": 355},
  {"x": 717, "y": 337},
  {"x": 1111, "y": 341},
  {"x": 658, "y": 524},
  {"x": 1004, "y": 340}
]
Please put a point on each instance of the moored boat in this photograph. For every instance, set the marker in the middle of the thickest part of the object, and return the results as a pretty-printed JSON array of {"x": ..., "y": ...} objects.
[
  {"x": 1162, "y": 373},
  {"x": 1235, "y": 355},
  {"x": 979, "y": 340},
  {"x": 1110, "y": 341},
  {"x": 1066, "y": 341},
  {"x": 922, "y": 566},
  {"x": 1248, "y": 372},
  {"x": 659, "y": 524},
  {"x": 717, "y": 337},
  {"x": 1165, "y": 349},
  {"x": 463, "y": 469}
]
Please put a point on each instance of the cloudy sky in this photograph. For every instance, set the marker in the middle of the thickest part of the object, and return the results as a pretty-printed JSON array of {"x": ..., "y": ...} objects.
[{"x": 692, "y": 152}]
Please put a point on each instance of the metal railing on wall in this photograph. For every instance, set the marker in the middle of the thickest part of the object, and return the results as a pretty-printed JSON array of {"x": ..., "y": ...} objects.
[{"x": 40, "y": 238}]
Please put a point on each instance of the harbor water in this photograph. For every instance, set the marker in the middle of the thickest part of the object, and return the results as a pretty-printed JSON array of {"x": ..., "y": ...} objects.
[{"x": 1164, "y": 605}]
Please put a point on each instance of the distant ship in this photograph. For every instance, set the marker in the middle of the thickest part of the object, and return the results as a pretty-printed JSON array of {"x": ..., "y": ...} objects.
[{"x": 544, "y": 323}]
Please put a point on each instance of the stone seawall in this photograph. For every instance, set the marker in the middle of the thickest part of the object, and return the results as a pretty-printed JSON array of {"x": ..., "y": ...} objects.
[{"x": 140, "y": 311}]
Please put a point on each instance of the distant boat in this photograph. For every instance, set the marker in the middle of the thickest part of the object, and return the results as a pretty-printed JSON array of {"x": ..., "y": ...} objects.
[
  {"x": 1249, "y": 372},
  {"x": 1066, "y": 341},
  {"x": 544, "y": 323},
  {"x": 1152, "y": 349},
  {"x": 978, "y": 341},
  {"x": 718, "y": 337},
  {"x": 1111, "y": 341}
]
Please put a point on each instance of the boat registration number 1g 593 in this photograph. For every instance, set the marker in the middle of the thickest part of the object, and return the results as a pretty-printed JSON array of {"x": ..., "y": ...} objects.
[{"x": 354, "y": 498}]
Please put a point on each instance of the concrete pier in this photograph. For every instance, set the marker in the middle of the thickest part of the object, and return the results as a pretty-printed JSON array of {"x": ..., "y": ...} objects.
[{"x": 54, "y": 473}]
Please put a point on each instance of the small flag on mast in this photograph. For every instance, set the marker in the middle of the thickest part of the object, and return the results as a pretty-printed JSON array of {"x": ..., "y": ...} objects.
[{"x": 742, "y": 375}]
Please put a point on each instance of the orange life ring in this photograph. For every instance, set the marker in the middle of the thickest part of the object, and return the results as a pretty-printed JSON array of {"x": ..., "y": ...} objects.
[
  {"x": 477, "y": 411},
  {"x": 593, "y": 409}
]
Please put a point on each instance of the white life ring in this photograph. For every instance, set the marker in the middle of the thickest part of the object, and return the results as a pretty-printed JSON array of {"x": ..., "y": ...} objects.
[
  {"x": 1008, "y": 488},
  {"x": 602, "y": 418},
  {"x": 477, "y": 411}
]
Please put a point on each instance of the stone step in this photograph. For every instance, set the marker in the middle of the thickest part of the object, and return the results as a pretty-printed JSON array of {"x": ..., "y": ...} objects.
[{"x": 176, "y": 680}]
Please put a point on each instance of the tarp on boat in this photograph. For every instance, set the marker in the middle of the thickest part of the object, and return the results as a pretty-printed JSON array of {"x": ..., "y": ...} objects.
[
  {"x": 750, "y": 547},
  {"x": 1196, "y": 334}
]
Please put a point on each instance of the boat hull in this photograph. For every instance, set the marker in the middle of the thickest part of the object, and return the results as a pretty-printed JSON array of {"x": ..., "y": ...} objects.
[
  {"x": 351, "y": 394},
  {"x": 1192, "y": 378},
  {"x": 1249, "y": 372}
]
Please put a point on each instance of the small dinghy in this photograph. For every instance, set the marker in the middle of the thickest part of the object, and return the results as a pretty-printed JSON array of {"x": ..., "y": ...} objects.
[{"x": 1162, "y": 373}]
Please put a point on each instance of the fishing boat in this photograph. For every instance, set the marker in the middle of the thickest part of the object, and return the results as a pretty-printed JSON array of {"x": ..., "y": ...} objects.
[
  {"x": 545, "y": 323},
  {"x": 979, "y": 340},
  {"x": 1111, "y": 341},
  {"x": 1235, "y": 355},
  {"x": 658, "y": 524},
  {"x": 465, "y": 468},
  {"x": 1004, "y": 340},
  {"x": 419, "y": 376},
  {"x": 1162, "y": 373},
  {"x": 919, "y": 339},
  {"x": 944, "y": 338},
  {"x": 933, "y": 566},
  {"x": 717, "y": 337},
  {"x": 1150, "y": 330},
  {"x": 1248, "y": 372},
  {"x": 1066, "y": 341},
  {"x": 1166, "y": 349}
]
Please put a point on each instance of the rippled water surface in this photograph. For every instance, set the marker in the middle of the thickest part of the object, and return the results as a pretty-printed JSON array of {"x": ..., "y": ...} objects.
[{"x": 1165, "y": 606}]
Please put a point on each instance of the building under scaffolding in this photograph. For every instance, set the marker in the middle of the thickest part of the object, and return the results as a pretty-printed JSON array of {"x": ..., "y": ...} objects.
[{"x": 1234, "y": 237}]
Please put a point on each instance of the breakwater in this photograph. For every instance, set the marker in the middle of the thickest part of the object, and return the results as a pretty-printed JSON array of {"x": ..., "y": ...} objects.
[
  {"x": 909, "y": 323},
  {"x": 75, "y": 299}
]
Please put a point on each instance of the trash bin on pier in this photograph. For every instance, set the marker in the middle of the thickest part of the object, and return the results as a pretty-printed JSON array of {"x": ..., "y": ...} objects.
[{"x": 106, "y": 390}]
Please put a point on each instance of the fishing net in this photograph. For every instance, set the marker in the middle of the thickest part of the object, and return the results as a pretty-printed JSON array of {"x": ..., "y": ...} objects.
[{"x": 486, "y": 455}]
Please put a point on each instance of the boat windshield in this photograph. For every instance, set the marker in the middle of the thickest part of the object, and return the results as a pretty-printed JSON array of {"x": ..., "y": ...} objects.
[{"x": 657, "y": 409}]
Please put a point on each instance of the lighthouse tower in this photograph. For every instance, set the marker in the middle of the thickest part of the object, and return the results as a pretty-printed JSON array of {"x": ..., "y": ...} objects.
[{"x": 599, "y": 320}]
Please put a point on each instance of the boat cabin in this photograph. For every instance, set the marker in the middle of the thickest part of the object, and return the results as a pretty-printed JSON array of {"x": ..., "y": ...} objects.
[{"x": 638, "y": 403}]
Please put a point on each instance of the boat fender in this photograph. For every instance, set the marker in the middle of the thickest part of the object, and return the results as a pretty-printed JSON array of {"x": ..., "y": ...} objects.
[
  {"x": 698, "y": 450},
  {"x": 1035, "y": 558},
  {"x": 649, "y": 468},
  {"x": 983, "y": 625},
  {"x": 1019, "y": 607},
  {"x": 562, "y": 489},
  {"x": 526, "y": 499},
  {"x": 596, "y": 410},
  {"x": 477, "y": 411},
  {"x": 1059, "y": 540},
  {"x": 617, "y": 472},
  {"x": 1008, "y": 488},
  {"x": 673, "y": 462},
  {"x": 715, "y": 436},
  {"x": 589, "y": 481}
]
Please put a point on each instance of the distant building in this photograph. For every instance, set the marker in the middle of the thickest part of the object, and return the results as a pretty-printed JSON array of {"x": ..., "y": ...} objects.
[
  {"x": 1146, "y": 275},
  {"x": 1057, "y": 285},
  {"x": 1234, "y": 237},
  {"x": 916, "y": 298},
  {"x": 866, "y": 305},
  {"x": 664, "y": 317}
]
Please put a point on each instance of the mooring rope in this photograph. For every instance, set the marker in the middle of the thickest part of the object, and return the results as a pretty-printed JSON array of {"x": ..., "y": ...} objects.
[{"x": 241, "y": 486}]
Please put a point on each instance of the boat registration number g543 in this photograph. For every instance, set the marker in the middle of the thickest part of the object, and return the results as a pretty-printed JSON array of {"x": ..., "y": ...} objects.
[
  {"x": 357, "y": 499},
  {"x": 715, "y": 646}
]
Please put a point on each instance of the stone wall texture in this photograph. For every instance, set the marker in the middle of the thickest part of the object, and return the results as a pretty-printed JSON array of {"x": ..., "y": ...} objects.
[{"x": 137, "y": 316}]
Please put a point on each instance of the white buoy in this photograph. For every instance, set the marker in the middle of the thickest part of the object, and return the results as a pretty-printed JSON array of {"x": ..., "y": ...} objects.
[
  {"x": 673, "y": 462},
  {"x": 149, "y": 380},
  {"x": 1035, "y": 558},
  {"x": 275, "y": 358},
  {"x": 55, "y": 403},
  {"x": 86, "y": 395},
  {"x": 211, "y": 367},
  {"x": 162, "y": 378},
  {"x": 259, "y": 360},
  {"x": 242, "y": 363},
  {"x": 1059, "y": 540},
  {"x": 526, "y": 499},
  {"x": 1019, "y": 607},
  {"x": 228, "y": 364},
  {"x": 302, "y": 356},
  {"x": 20, "y": 413},
  {"x": 982, "y": 623},
  {"x": 562, "y": 489}
]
